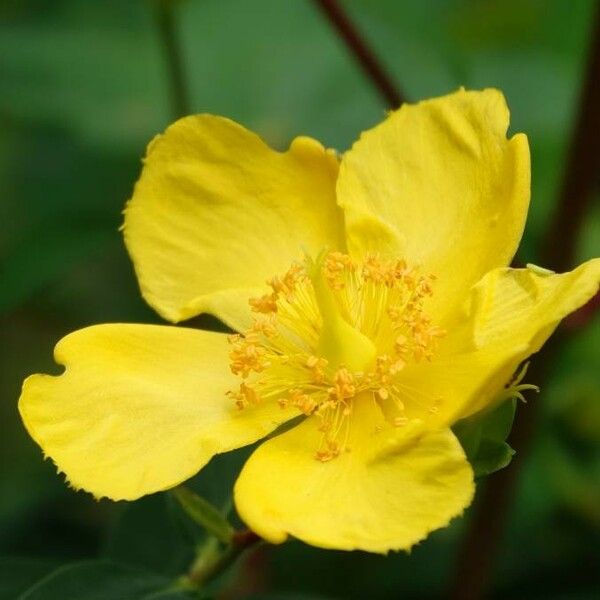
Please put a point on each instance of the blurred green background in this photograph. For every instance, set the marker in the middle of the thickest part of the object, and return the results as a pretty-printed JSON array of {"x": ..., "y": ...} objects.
[{"x": 84, "y": 87}]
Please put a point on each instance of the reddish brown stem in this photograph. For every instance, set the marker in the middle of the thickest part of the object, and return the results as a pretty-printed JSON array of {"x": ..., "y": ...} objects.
[
  {"x": 582, "y": 172},
  {"x": 204, "y": 571},
  {"x": 362, "y": 52},
  {"x": 488, "y": 522}
]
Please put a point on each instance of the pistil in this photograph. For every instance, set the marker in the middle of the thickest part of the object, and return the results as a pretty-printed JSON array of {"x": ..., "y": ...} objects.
[{"x": 341, "y": 344}]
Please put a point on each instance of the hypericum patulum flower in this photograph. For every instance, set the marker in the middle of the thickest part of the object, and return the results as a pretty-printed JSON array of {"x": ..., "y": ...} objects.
[{"x": 389, "y": 313}]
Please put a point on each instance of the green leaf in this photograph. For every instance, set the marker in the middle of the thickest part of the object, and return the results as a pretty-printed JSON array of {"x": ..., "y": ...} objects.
[
  {"x": 149, "y": 536},
  {"x": 204, "y": 513},
  {"x": 19, "y": 574},
  {"x": 483, "y": 438},
  {"x": 492, "y": 457},
  {"x": 99, "y": 580}
]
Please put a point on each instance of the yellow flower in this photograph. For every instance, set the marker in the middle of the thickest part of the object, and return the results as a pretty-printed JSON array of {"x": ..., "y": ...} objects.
[{"x": 389, "y": 314}]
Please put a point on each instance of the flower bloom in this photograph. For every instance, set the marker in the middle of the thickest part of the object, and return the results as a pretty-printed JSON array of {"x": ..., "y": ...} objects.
[{"x": 389, "y": 313}]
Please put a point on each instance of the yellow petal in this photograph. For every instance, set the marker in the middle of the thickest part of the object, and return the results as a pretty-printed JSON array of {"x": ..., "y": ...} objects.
[
  {"x": 526, "y": 305},
  {"x": 439, "y": 184},
  {"x": 387, "y": 493},
  {"x": 216, "y": 212},
  {"x": 140, "y": 408},
  {"x": 510, "y": 314},
  {"x": 458, "y": 385}
]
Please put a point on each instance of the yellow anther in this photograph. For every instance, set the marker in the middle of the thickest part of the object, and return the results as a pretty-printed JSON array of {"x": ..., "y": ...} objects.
[
  {"x": 264, "y": 327},
  {"x": 401, "y": 345},
  {"x": 344, "y": 387},
  {"x": 317, "y": 366},
  {"x": 397, "y": 366},
  {"x": 335, "y": 266},
  {"x": 328, "y": 454},
  {"x": 246, "y": 356},
  {"x": 394, "y": 313},
  {"x": 302, "y": 401},
  {"x": 402, "y": 272},
  {"x": 325, "y": 426},
  {"x": 244, "y": 396},
  {"x": 265, "y": 304},
  {"x": 312, "y": 361},
  {"x": 286, "y": 285}
]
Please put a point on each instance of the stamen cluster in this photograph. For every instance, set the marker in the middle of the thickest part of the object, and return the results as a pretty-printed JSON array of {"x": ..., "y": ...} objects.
[{"x": 278, "y": 359}]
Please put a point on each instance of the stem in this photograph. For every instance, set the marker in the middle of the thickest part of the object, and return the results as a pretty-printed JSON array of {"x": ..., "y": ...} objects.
[
  {"x": 362, "y": 52},
  {"x": 168, "y": 33},
  {"x": 210, "y": 563},
  {"x": 204, "y": 513},
  {"x": 488, "y": 522},
  {"x": 583, "y": 169}
]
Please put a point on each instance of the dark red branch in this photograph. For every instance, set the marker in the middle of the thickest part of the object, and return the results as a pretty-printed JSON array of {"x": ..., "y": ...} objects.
[
  {"x": 485, "y": 531},
  {"x": 488, "y": 522},
  {"x": 582, "y": 172},
  {"x": 361, "y": 51},
  {"x": 203, "y": 571}
]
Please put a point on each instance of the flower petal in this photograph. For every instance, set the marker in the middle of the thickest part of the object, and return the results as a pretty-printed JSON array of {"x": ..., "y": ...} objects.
[
  {"x": 216, "y": 212},
  {"x": 387, "y": 493},
  {"x": 510, "y": 314},
  {"x": 140, "y": 408},
  {"x": 439, "y": 184}
]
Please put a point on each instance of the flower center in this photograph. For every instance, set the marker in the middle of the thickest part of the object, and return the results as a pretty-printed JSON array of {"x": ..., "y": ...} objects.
[{"x": 332, "y": 329}]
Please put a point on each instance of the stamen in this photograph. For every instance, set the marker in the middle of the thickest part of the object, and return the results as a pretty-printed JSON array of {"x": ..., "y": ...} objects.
[{"x": 331, "y": 329}]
